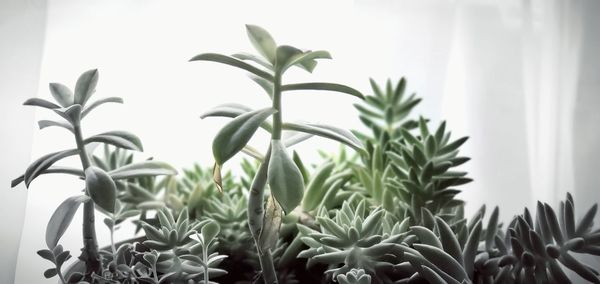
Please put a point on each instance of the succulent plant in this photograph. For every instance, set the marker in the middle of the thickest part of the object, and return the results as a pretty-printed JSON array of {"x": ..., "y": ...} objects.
[{"x": 100, "y": 189}]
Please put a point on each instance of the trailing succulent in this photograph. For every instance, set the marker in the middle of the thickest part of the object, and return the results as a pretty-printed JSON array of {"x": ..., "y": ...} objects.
[{"x": 384, "y": 209}]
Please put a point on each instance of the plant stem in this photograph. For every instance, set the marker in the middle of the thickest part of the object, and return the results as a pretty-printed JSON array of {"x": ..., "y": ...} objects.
[
  {"x": 255, "y": 218},
  {"x": 89, "y": 253},
  {"x": 276, "y": 135}
]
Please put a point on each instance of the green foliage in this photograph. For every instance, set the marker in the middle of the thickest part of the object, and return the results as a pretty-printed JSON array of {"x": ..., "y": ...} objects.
[{"x": 100, "y": 184}]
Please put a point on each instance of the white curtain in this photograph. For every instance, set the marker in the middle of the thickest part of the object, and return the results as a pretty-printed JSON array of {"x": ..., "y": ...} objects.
[{"x": 520, "y": 77}]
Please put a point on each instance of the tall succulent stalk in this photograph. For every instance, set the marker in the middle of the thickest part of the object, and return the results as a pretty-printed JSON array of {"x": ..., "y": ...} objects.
[
  {"x": 277, "y": 169},
  {"x": 100, "y": 189}
]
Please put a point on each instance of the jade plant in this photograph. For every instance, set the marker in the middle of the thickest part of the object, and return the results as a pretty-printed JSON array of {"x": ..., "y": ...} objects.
[
  {"x": 383, "y": 209},
  {"x": 100, "y": 192},
  {"x": 277, "y": 169}
]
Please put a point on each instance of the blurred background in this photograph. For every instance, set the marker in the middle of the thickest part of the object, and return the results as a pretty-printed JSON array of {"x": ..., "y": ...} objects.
[{"x": 520, "y": 77}]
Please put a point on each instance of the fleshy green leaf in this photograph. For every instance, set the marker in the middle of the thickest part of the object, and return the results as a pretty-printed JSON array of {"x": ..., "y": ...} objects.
[
  {"x": 228, "y": 60},
  {"x": 262, "y": 41},
  {"x": 284, "y": 178},
  {"x": 320, "y": 86},
  {"x": 327, "y": 132},
  {"x": 307, "y": 59},
  {"x": 285, "y": 54},
  {"x": 62, "y": 94},
  {"x": 122, "y": 139},
  {"x": 61, "y": 218},
  {"x": 210, "y": 231},
  {"x": 235, "y": 135},
  {"x": 41, "y": 103},
  {"x": 85, "y": 86},
  {"x": 101, "y": 188},
  {"x": 142, "y": 169},
  {"x": 40, "y": 165},
  {"x": 315, "y": 191},
  {"x": 47, "y": 123},
  {"x": 99, "y": 103}
]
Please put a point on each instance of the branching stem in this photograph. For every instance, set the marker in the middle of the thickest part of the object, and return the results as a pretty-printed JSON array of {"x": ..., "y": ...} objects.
[{"x": 89, "y": 254}]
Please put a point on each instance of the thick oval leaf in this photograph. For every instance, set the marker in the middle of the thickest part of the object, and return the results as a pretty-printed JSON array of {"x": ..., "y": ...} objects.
[
  {"x": 61, "y": 218},
  {"x": 85, "y": 86},
  {"x": 209, "y": 231},
  {"x": 320, "y": 86},
  {"x": 40, "y": 165},
  {"x": 40, "y": 103},
  {"x": 235, "y": 135},
  {"x": 62, "y": 94},
  {"x": 262, "y": 41},
  {"x": 47, "y": 123},
  {"x": 224, "y": 59},
  {"x": 142, "y": 169},
  {"x": 99, "y": 103},
  {"x": 284, "y": 178},
  {"x": 326, "y": 132},
  {"x": 122, "y": 139},
  {"x": 101, "y": 188}
]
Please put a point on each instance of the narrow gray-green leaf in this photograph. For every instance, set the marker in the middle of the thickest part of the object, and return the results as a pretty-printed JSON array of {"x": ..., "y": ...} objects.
[
  {"x": 443, "y": 261},
  {"x": 228, "y": 60},
  {"x": 40, "y": 103},
  {"x": 142, "y": 169},
  {"x": 62, "y": 94},
  {"x": 307, "y": 59},
  {"x": 235, "y": 135},
  {"x": 47, "y": 123},
  {"x": 100, "y": 102},
  {"x": 449, "y": 241},
  {"x": 262, "y": 41},
  {"x": 247, "y": 56},
  {"x": 315, "y": 191},
  {"x": 122, "y": 139},
  {"x": 85, "y": 86},
  {"x": 61, "y": 218},
  {"x": 323, "y": 132},
  {"x": 101, "y": 188},
  {"x": 40, "y": 165},
  {"x": 321, "y": 86},
  {"x": 470, "y": 248},
  {"x": 284, "y": 178}
]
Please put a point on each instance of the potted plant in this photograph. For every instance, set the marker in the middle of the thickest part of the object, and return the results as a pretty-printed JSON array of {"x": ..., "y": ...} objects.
[{"x": 384, "y": 211}]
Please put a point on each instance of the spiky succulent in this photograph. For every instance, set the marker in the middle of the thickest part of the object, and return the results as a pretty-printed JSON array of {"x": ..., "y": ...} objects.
[{"x": 353, "y": 238}]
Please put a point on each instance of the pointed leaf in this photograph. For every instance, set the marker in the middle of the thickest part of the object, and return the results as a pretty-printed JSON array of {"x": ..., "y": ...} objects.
[
  {"x": 320, "y": 86},
  {"x": 262, "y": 41},
  {"x": 101, "y": 188},
  {"x": 47, "y": 123},
  {"x": 224, "y": 59},
  {"x": 142, "y": 169},
  {"x": 62, "y": 94},
  {"x": 85, "y": 86},
  {"x": 43, "y": 163},
  {"x": 235, "y": 135},
  {"x": 284, "y": 178},
  {"x": 61, "y": 219},
  {"x": 122, "y": 139},
  {"x": 326, "y": 132},
  {"x": 100, "y": 102},
  {"x": 40, "y": 103}
]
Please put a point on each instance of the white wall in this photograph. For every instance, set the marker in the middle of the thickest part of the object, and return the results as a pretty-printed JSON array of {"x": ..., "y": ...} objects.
[{"x": 21, "y": 43}]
